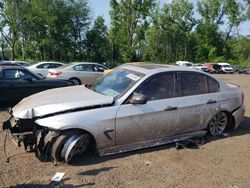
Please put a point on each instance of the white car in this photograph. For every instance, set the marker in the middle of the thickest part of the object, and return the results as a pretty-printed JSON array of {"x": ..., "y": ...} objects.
[
  {"x": 226, "y": 68},
  {"x": 200, "y": 67},
  {"x": 185, "y": 64},
  {"x": 78, "y": 73},
  {"x": 42, "y": 68},
  {"x": 21, "y": 63}
]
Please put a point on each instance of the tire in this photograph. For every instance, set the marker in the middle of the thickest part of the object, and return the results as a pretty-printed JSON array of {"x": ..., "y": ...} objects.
[
  {"x": 75, "y": 81},
  {"x": 57, "y": 147},
  {"x": 218, "y": 124},
  {"x": 75, "y": 145}
]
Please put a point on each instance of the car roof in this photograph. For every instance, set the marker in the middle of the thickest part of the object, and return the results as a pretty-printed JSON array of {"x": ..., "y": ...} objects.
[
  {"x": 76, "y": 63},
  {"x": 11, "y": 66},
  {"x": 42, "y": 62},
  {"x": 152, "y": 68},
  {"x": 223, "y": 63}
]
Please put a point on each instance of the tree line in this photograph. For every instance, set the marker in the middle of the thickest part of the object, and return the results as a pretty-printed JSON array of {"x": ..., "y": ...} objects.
[{"x": 140, "y": 30}]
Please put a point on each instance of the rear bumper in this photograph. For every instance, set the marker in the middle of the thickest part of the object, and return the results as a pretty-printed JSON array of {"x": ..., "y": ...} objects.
[{"x": 239, "y": 115}]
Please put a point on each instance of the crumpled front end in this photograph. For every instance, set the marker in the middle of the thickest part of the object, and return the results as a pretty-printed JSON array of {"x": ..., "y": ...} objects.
[{"x": 32, "y": 136}]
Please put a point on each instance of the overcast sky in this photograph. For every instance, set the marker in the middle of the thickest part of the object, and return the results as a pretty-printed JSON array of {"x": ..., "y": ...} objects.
[{"x": 102, "y": 8}]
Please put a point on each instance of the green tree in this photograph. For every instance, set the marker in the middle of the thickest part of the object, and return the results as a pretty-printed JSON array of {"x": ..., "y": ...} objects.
[
  {"x": 169, "y": 36},
  {"x": 49, "y": 30},
  {"x": 97, "y": 42},
  {"x": 129, "y": 21},
  {"x": 10, "y": 23},
  {"x": 235, "y": 14}
]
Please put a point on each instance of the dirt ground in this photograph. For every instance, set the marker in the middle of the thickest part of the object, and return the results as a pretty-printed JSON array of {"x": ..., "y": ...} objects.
[{"x": 221, "y": 162}]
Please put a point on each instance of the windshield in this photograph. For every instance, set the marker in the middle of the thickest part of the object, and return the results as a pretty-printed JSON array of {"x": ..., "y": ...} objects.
[
  {"x": 227, "y": 66},
  {"x": 116, "y": 83}
]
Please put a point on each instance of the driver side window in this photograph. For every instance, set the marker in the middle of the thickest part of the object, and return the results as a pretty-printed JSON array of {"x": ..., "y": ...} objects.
[
  {"x": 15, "y": 74},
  {"x": 159, "y": 87}
]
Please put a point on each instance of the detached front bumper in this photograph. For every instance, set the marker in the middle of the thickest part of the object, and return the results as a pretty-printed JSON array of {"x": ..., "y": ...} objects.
[
  {"x": 32, "y": 136},
  {"x": 239, "y": 115},
  {"x": 21, "y": 130}
]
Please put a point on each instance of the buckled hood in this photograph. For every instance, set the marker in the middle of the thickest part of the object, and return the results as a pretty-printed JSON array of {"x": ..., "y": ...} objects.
[{"x": 59, "y": 100}]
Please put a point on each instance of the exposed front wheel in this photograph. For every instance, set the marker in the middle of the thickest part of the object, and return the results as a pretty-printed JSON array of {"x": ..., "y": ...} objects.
[
  {"x": 74, "y": 146},
  {"x": 218, "y": 124},
  {"x": 69, "y": 145}
]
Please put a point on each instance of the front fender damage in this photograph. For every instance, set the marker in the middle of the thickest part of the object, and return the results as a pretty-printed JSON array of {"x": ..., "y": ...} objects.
[{"x": 33, "y": 137}]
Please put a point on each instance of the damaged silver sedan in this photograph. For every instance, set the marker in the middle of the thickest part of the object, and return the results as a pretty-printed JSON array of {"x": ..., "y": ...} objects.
[{"x": 134, "y": 106}]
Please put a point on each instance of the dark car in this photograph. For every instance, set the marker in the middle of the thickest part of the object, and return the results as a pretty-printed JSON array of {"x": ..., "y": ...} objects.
[
  {"x": 213, "y": 68},
  {"x": 16, "y": 83},
  {"x": 242, "y": 70}
]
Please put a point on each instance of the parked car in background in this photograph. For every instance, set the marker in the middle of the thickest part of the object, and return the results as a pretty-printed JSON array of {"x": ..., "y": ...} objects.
[
  {"x": 200, "y": 67},
  {"x": 226, "y": 68},
  {"x": 42, "y": 68},
  {"x": 185, "y": 63},
  {"x": 241, "y": 70},
  {"x": 213, "y": 68},
  {"x": 134, "y": 106},
  {"x": 17, "y": 82},
  {"x": 78, "y": 72},
  {"x": 21, "y": 63}
]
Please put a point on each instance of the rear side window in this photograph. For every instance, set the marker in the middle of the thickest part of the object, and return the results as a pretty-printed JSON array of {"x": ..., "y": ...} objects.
[
  {"x": 48, "y": 66},
  {"x": 98, "y": 68},
  {"x": 159, "y": 87},
  {"x": 192, "y": 83},
  {"x": 86, "y": 67},
  {"x": 213, "y": 85},
  {"x": 54, "y": 65}
]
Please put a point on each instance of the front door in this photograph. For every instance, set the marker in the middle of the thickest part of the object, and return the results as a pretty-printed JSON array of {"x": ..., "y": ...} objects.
[{"x": 153, "y": 120}]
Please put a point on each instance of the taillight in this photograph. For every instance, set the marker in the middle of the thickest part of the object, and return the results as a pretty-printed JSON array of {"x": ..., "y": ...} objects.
[{"x": 54, "y": 73}]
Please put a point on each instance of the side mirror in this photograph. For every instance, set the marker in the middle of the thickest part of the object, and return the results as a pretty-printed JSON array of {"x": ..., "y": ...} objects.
[{"x": 138, "y": 98}]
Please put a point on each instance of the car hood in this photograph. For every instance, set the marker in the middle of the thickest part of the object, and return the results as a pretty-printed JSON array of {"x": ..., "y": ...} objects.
[{"x": 59, "y": 100}]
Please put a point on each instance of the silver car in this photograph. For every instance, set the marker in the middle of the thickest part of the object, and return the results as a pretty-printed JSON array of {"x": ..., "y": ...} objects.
[
  {"x": 134, "y": 106},
  {"x": 78, "y": 73},
  {"x": 42, "y": 68}
]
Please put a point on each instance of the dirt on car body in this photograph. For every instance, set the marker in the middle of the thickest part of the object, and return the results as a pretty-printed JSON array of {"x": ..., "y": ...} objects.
[{"x": 221, "y": 162}]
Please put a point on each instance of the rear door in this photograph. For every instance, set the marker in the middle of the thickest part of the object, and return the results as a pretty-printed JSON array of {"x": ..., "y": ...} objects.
[
  {"x": 196, "y": 101},
  {"x": 153, "y": 120},
  {"x": 87, "y": 73}
]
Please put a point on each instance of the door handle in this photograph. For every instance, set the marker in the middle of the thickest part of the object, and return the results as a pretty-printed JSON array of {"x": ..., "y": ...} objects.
[
  {"x": 211, "y": 101},
  {"x": 169, "y": 108},
  {"x": 109, "y": 129}
]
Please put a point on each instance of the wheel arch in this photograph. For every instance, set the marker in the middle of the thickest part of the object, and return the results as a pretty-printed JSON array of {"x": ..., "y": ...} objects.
[
  {"x": 76, "y": 79},
  {"x": 93, "y": 143},
  {"x": 231, "y": 120}
]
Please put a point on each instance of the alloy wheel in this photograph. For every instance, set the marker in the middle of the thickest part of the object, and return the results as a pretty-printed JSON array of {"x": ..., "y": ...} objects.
[{"x": 218, "y": 124}]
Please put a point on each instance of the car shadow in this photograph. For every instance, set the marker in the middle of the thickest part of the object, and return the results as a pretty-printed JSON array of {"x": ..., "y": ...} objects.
[
  {"x": 94, "y": 172},
  {"x": 51, "y": 185},
  {"x": 90, "y": 158}
]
